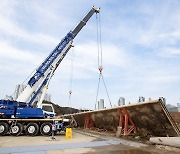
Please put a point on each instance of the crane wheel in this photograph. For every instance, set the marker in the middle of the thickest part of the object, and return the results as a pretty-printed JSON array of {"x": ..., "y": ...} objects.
[
  {"x": 32, "y": 129},
  {"x": 4, "y": 127},
  {"x": 16, "y": 129},
  {"x": 46, "y": 129}
]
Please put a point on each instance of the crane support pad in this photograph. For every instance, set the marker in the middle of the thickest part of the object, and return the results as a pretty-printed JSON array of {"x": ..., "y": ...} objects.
[{"x": 150, "y": 118}]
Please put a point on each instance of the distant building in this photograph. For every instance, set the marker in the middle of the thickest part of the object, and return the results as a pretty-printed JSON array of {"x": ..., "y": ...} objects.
[
  {"x": 121, "y": 101},
  {"x": 8, "y": 98},
  {"x": 141, "y": 99},
  {"x": 20, "y": 88},
  {"x": 101, "y": 104}
]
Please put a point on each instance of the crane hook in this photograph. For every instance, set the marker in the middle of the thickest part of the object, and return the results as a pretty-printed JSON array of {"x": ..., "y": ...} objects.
[
  {"x": 100, "y": 69},
  {"x": 70, "y": 92}
]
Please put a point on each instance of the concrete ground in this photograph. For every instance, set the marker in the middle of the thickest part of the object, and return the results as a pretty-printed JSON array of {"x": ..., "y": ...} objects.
[{"x": 82, "y": 142}]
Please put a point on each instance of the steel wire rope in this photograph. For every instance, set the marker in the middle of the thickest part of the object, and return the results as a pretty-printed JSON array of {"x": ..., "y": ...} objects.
[
  {"x": 99, "y": 47},
  {"x": 97, "y": 36},
  {"x": 106, "y": 90},
  {"x": 97, "y": 39},
  {"x": 71, "y": 77},
  {"x": 98, "y": 89},
  {"x": 100, "y": 42}
]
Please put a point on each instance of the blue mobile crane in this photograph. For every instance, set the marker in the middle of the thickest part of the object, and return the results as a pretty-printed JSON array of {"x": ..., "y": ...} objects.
[{"x": 20, "y": 115}]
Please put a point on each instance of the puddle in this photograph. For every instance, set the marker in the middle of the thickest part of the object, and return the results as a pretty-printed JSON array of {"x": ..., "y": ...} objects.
[
  {"x": 119, "y": 149},
  {"x": 131, "y": 151}
]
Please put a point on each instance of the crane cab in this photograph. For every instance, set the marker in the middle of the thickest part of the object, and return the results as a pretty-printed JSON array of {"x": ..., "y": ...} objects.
[{"x": 48, "y": 110}]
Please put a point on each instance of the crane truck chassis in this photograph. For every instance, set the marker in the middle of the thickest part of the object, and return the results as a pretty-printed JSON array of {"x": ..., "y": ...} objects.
[
  {"x": 20, "y": 116},
  {"x": 32, "y": 127}
]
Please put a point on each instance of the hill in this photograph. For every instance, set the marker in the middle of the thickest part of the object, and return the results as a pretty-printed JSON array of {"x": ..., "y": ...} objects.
[{"x": 62, "y": 110}]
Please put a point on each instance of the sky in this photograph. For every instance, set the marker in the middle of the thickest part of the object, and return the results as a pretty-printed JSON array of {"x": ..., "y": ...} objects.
[{"x": 140, "y": 49}]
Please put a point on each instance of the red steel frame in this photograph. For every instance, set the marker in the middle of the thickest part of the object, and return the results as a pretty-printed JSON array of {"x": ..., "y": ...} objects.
[
  {"x": 88, "y": 123},
  {"x": 126, "y": 124}
]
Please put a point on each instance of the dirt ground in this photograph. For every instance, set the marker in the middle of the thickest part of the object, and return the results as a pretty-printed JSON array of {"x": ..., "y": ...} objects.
[
  {"x": 11, "y": 141},
  {"x": 82, "y": 142}
]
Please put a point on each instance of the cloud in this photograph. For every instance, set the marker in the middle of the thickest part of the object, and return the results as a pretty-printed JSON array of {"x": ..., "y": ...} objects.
[
  {"x": 16, "y": 62},
  {"x": 169, "y": 52},
  {"x": 8, "y": 52},
  {"x": 85, "y": 61},
  {"x": 140, "y": 46},
  {"x": 86, "y": 57},
  {"x": 8, "y": 27}
]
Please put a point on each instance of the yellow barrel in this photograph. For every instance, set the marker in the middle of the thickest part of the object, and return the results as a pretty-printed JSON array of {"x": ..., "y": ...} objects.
[{"x": 68, "y": 133}]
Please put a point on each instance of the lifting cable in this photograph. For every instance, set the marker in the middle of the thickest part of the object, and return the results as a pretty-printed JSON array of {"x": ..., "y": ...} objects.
[
  {"x": 71, "y": 78},
  {"x": 100, "y": 67}
]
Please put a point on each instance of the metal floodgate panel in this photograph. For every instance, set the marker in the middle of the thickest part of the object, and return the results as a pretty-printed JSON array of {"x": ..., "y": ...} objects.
[{"x": 150, "y": 118}]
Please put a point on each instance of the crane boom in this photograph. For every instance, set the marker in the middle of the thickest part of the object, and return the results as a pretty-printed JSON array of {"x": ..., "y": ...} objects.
[
  {"x": 83, "y": 22},
  {"x": 53, "y": 60}
]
